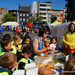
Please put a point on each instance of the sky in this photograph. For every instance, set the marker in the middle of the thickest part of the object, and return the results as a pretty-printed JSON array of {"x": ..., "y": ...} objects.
[{"x": 14, "y": 4}]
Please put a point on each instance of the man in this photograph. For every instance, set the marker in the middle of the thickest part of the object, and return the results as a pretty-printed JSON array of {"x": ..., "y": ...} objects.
[{"x": 1, "y": 30}]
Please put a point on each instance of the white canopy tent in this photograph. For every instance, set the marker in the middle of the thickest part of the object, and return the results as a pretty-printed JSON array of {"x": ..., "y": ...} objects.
[{"x": 10, "y": 24}]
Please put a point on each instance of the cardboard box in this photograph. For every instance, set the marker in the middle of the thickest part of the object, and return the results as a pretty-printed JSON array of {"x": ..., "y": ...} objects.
[{"x": 39, "y": 60}]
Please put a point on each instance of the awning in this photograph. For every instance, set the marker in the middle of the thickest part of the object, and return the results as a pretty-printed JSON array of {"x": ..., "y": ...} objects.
[
  {"x": 55, "y": 23},
  {"x": 10, "y": 24}
]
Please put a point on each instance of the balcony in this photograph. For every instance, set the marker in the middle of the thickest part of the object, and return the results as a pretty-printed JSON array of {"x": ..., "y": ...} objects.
[
  {"x": 45, "y": 7},
  {"x": 44, "y": 11}
]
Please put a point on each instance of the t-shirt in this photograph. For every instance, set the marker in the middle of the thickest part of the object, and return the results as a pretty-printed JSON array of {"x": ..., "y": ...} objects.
[{"x": 1, "y": 29}]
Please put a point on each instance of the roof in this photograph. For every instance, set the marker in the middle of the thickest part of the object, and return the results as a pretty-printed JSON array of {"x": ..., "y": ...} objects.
[
  {"x": 24, "y": 8},
  {"x": 55, "y": 23},
  {"x": 0, "y": 9}
]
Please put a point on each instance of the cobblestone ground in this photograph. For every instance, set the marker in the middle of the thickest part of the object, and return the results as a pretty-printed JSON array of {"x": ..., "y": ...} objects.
[{"x": 12, "y": 34}]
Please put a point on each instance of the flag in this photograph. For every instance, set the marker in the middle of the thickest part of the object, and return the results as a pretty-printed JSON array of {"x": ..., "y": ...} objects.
[{"x": 48, "y": 20}]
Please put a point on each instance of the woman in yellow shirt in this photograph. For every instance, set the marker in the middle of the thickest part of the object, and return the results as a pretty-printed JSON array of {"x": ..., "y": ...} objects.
[{"x": 69, "y": 39}]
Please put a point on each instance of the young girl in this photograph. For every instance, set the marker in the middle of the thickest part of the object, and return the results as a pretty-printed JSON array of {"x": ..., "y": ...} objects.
[
  {"x": 16, "y": 44},
  {"x": 26, "y": 41},
  {"x": 54, "y": 41}
]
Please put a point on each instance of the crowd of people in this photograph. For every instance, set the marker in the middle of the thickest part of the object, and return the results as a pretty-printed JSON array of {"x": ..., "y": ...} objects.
[{"x": 20, "y": 50}]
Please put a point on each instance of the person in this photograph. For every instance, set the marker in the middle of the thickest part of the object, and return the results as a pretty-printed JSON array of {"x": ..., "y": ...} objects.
[
  {"x": 6, "y": 45},
  {"x": 8, "y": 36},
  {"x": 1, "y": 31},
  {"x": 28, "y": 29},
  {"x": 54, "y": 41},
  {"x": 37, "y": 42},
  {"x": 14, "y": 29},
  {"x": 68, "y": 39},
  {"x": 21, "y": 36},
  {"x": 16, "y": 39},
  {"x": 69, "y": 68},
  {"x": 26, "y": 41},
  {"x": 8, "y": 63},
  {"x": 46, "y": 44},
  {"x": 17, "y": 29},
  {"x": 23, "y": 57},
  {"x": 23, "y": 30}
]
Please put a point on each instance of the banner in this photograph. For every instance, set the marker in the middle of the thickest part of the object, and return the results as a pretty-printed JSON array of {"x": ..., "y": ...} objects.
[{"x": 48, "y": 20}]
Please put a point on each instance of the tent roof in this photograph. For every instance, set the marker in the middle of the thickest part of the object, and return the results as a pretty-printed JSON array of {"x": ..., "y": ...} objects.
[
  {"x": 55, "y": 22},
  {"x": 10, "y": 24}
]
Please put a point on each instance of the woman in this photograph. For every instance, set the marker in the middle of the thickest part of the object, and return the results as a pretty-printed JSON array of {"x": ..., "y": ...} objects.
[
  {"x": 37, "y": 42},
  {"x": 69, "y": 39}
]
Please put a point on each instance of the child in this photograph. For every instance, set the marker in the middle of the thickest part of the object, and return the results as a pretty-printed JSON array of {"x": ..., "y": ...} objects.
[
  {"x": 23, "y": 58},
  {"x": 69, "y": 68},
  {"x": 54, "y": 41},
  {"x": 8, "y": 63},
  {"x": 26, "y": 41},
  {"x": 8, "y": 36},
  {"x": 6, "y": 45},
  {"x": 16, "y": 39},
  {"x": 21, "y": 36},
  {"x": 46, "y": 44}
]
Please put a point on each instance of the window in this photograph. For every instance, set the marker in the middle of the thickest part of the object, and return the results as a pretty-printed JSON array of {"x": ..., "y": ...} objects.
[
  {"x": 43, "y": 13},
  {"x": 27, "y": 14},
  {"x": 48, "y": 5},
  {"x": 20, "y": 19},
  {"x": 14, "y": 12},
  {"x": 23, "y": 14},
  {"x": 20, "y": 14},
  {"x": 56, "y": 11},
  {"x": 23, "y": 19},
  {"x": 42, "y": 9},
  {"x": 42, "y": 5},
  {"x": 58, "y": 16},
  {"x": 48, "y": 9},
  {"x": 3, "y": 15},
  {"x": 5, "y": 11}
]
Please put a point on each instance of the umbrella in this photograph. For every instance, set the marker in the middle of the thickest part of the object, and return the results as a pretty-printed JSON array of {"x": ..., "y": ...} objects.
[{"x": 10, "y": 24}]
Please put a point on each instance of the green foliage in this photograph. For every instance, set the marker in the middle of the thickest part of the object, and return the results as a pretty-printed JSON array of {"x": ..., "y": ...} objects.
[
  {"x": 33, "y": 19},
  {"x": 53, "y": 18},
  {"x": 71, "y": 13},
  {"x": 8, "y": 17}
]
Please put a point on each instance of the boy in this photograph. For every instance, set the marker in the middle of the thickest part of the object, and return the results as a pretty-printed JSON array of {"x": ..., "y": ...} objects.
[
  {"x": 8, "y": 63},
  {"x": 23, "y": 57},
  {"x": 6, "y": 45},
  {"x": 46, "y": 44}
]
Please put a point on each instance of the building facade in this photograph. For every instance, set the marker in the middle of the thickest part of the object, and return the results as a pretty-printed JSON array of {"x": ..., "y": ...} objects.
[
  {"x": 24, "y": 13},
  {"x": 44, "y": 8},
  {"x": 47, "y": 7},
  {"x": 59, "y": 14},
  {"x": 15, "y": 13},
  {"x": 3, "y": 12}
]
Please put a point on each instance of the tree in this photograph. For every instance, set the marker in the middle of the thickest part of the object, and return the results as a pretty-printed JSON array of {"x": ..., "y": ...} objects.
[
  {"x": 53, "y": 18},
  {"x": 31, "y": 19},
  {"x": 8, "y": 17},
  {"x": 39, "y": 18}
]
